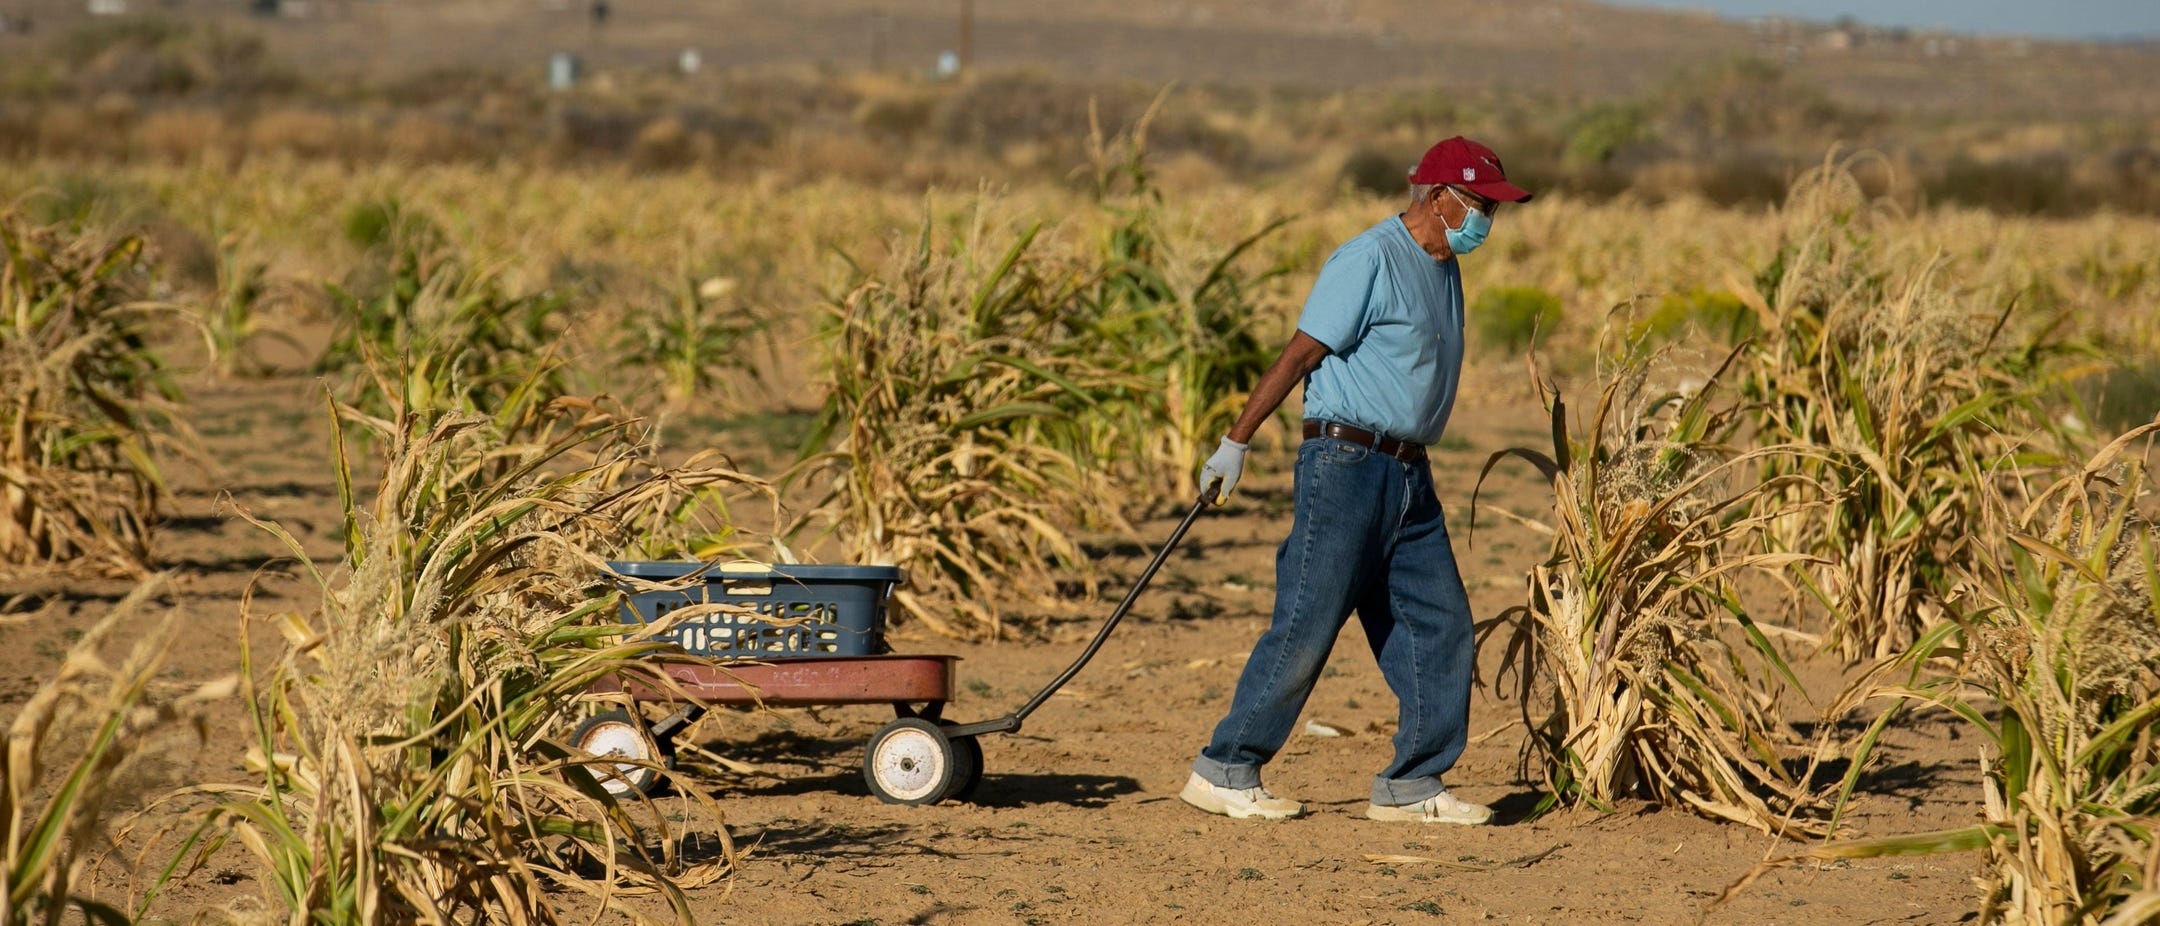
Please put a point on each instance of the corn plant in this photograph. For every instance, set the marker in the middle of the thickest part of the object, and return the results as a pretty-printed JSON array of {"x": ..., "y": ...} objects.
[
  {"x": 456, "y": 337},
  {"x": 1639, "y": 671},
  {"x": 2052, "y": 651},
  {"x": 402, "y": 741},
  {"x": 85, "y": 402},
  {"x": 946, "y": 426},
  {"x": 698, "y": 346},
  {"x": 234, "y": 321},
  {"x": 67, "y": 754},
  {"x": 1185, "y": 330},
  {"x": 1902, "y": 391}
]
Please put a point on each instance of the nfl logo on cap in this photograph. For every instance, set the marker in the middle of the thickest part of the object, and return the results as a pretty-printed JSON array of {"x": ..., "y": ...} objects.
[{"x": 1469, "y": 173}]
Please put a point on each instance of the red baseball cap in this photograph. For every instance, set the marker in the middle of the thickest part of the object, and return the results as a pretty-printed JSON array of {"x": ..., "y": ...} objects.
[{"x": 1461, "y": 162}]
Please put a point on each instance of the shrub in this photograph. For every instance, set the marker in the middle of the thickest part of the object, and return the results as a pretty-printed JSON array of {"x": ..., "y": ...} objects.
[
  {"x": 1717, "y": 313},
  {"x": 1600, "y": 132},
  {"x": 1379, "y": 173},
  {"x": 2124, "y": 396},
  {"x": 1509, "y": 317},
  {"x": 371, "y": 224},
  {"x": 901, "y": 116},
  {"x": 2035, "y": 186},
  {"x": 996, "y": 111}
]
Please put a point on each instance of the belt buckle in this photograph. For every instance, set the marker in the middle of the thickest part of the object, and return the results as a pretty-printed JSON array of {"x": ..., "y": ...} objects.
[
  {"x": 1374, "y": 438},
  {"x": 1349, "y": 432}
]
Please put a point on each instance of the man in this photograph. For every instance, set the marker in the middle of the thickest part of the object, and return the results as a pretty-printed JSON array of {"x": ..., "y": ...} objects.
[{"x": 1379, "y": 349}]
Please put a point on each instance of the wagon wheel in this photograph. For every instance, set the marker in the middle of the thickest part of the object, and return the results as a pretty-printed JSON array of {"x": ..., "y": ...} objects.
[
  {"x": 968, "y": 776},
  {"x": 616, "y": 733},
  {"x": 911, "y": 761}
]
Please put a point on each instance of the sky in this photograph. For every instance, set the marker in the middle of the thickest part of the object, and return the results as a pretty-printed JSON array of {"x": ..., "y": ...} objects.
[{"x": 2052, "y": 18}]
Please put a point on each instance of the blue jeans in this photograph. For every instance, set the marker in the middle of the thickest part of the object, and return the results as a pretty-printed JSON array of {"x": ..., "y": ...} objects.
[{"x": 1368, "y": 537}]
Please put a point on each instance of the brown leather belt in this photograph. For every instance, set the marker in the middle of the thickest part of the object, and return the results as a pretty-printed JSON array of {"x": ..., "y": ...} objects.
[{"x": 1387, "y": 446}]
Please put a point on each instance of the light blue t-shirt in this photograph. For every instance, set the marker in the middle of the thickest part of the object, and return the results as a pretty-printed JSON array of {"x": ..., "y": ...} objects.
[{"x": 1392, "y": 317}]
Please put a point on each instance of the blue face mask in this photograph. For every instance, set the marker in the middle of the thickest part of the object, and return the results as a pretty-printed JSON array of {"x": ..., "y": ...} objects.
[{"x": 1475, "y": 226}]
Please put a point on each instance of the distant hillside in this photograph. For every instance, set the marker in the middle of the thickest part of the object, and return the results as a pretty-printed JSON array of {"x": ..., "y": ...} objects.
[{"x": 1542, "y": 48}]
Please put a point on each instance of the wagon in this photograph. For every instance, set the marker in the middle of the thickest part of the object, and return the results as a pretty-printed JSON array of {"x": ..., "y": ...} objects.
[{"x": 801, "y": 636}]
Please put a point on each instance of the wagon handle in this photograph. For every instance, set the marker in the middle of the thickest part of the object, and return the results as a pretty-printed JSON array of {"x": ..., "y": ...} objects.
[{"x": 1010, "y": 723}]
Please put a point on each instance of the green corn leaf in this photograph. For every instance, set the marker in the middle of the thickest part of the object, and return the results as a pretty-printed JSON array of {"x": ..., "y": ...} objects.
[
  {"x": 1862, "y": 752},
  {"x": 1761, "y": 643},
  {"x": 1936, "y": 842},
  {"x": 2116, "y": 734},
  {"x": 978, "y": 307},
  {"x": 1219, "y": 274},
  {"x": 1043, "y": 373},
  {"x": 1007, "y": 412}
]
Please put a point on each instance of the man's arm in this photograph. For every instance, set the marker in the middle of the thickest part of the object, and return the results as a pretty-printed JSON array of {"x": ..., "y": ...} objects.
[{"x": 1300, "y": 357}]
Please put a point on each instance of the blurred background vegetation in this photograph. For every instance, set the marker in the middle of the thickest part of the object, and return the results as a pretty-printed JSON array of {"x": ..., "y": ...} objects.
[{"x": 1592, "y": 100}]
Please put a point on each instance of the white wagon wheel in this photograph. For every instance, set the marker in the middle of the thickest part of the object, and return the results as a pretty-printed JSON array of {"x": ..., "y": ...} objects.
[
  {"x": 616, "y": 733},
  {"x": 911, "y": 761}
]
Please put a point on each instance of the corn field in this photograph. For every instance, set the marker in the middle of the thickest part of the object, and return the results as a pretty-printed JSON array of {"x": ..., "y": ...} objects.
[{"x": 1895, "y": 461}]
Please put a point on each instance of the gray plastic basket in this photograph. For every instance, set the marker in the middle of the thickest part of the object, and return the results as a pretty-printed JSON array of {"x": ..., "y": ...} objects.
[{"x": 796, "y": 611}]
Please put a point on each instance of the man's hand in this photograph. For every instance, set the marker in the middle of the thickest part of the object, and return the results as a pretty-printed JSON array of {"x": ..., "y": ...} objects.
[{"x": 1220, "y": 474}]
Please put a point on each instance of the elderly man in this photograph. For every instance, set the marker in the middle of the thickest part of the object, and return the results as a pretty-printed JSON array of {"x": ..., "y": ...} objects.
[{"x": 1379, "y": 347}]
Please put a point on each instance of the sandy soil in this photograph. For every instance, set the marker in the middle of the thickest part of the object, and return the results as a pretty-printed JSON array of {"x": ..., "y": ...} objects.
[{"x": 1077, "y": 819}]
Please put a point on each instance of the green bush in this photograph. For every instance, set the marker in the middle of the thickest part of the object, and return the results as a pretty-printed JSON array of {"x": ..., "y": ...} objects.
[
  {"x": 1600, "y": 132},
  {"x": 1512, "y": 316},
  {"x": 1380, "y": 173},
  {"x": 2126, "y": 396},
  {"x": 370, "y": 224},
  {"x": 1714, "y": 312}
]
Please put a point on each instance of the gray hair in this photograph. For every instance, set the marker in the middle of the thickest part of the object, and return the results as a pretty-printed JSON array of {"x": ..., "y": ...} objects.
[{"x": 1422, "y": 193}]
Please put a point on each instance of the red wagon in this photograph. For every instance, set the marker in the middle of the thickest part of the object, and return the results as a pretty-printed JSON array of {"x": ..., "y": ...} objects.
[{"x": 812, "y": 635}]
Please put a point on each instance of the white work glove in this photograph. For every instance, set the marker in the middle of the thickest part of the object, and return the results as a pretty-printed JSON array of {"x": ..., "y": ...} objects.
[{"x": 1220, "y": 474}]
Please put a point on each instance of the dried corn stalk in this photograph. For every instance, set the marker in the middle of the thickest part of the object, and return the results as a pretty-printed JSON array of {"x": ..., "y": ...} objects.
[{"x": 1631, "y": 657}]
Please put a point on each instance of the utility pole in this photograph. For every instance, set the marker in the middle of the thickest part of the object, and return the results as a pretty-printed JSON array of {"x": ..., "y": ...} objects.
[
  {"x": 1567, "y": 51},
  {"x": 880, "y": 27},
  {"x": 967, "y": 34}
]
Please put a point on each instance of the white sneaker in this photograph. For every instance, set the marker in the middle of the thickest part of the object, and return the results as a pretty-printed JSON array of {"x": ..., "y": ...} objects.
[
  {"x": 1439, "y": 808},
  {"x": 1237, "y": 803}
]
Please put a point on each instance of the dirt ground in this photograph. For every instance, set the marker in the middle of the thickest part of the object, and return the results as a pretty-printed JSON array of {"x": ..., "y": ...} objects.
[{"x": 1077, "y": 818}]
